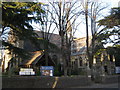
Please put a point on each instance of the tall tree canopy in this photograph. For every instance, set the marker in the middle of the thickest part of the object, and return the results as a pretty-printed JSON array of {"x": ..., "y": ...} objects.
[
  {"x": 111, "y": 25},
  {"x": 17, "y": 16},
  {"x": 113, "y": 19}
]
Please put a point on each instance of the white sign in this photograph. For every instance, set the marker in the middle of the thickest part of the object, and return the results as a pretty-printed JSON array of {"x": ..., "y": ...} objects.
[{"x": 26, "y": 71}]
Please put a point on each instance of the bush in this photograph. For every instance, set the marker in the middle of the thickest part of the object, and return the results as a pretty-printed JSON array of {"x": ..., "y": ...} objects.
[
  {"x": 74, "y": 72},
  {"x": 57, "y": 71},
  {"x": 37, "y": 72},
  {"x": 16, "y": 70},
  {"x": 78, "y": 72},
  {"x": 4, "y": 73}
]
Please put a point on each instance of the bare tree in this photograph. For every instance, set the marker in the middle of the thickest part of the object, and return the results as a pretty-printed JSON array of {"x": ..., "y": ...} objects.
[
  {"x": 95, "y": 11},
  {"x": 47, "y": 28},
  {"x": 85, "y": 7},
  {"x": 65, "y": 17},
  {"x": 92, "y": 11}
]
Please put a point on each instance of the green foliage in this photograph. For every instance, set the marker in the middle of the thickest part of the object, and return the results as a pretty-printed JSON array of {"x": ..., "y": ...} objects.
[
  {"x": 37, "y": 71},
  {"x": 112, "y": 20},
  {"x": 116, "y": 52},
  {"x": 78, "y": 72},
  {"x": 111, "y": 24},
  {"x": 16, "y": 70},
  {"x": 57, "y": 71},
  {"x": 12, "y": 72},
  {"x": 4, "y": 74},
  {"x": 74, "y": 72},
  {"x": 99, "y": 51},
  {"x": 15, "y": 50},
  {"x": 18, "y": 16}
]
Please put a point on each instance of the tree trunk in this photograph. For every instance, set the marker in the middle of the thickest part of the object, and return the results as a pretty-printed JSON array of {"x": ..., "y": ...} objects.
[
  {"x": 46, "y": 53},
  {"x": 61, "y": 33},
  {"x": 87, "y": 34}
]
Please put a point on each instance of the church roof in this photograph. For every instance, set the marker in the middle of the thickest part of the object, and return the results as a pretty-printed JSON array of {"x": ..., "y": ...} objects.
[
  {"x": 38, "y": 58},
  {"x": 35, "y": 57}
]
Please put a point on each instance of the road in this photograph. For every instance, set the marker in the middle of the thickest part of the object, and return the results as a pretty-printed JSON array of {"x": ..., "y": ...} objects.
[{"x": 112, "y": 85}]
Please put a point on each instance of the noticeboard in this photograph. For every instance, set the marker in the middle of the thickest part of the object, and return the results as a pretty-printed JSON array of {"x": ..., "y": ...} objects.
[
  {"x": 117, "y": 70},
  {"x": 46, "y": 70}
]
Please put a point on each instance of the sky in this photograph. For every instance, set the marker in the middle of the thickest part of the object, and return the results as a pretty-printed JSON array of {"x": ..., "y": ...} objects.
[
  {"x": 114, "y": 3},
  {"x": 81, "y": 32},
  {"x": 110, "y": 3}
]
